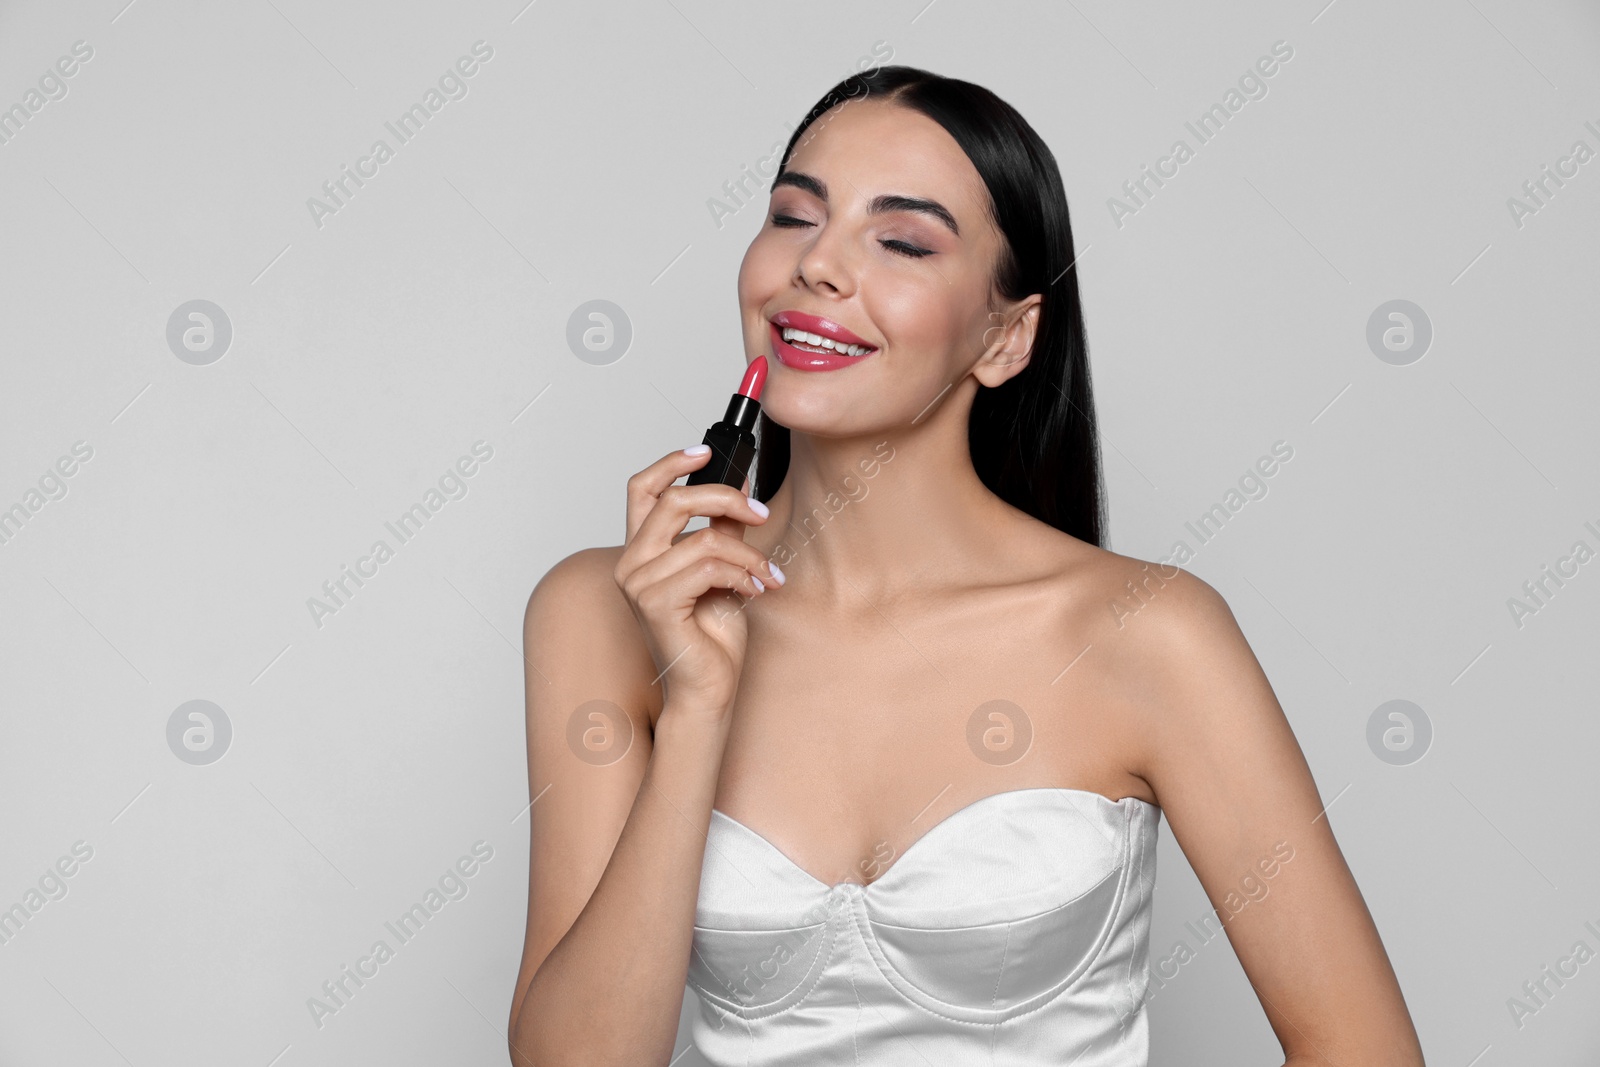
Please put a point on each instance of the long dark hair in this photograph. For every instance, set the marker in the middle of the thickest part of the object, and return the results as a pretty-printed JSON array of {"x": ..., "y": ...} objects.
[{"x": 1033, "y": 439}]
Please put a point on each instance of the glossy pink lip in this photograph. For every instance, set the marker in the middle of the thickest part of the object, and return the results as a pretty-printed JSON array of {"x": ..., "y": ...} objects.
[
  {"x": 799, "y": 320},
  {"x": 800, "y": 359}
]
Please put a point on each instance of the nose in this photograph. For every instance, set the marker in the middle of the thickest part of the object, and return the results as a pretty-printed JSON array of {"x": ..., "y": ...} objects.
[{"x": 827, "y": 264}]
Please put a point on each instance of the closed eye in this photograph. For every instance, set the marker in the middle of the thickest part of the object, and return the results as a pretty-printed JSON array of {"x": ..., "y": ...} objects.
[{"x": 911, "y": 251}]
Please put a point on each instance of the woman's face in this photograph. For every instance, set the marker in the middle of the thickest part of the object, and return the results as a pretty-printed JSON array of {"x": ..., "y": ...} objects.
[{"x": 880, "y": 225}]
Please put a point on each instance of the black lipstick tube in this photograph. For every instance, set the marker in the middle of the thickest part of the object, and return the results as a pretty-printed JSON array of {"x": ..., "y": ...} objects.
[{"x": 733, "y": 445}]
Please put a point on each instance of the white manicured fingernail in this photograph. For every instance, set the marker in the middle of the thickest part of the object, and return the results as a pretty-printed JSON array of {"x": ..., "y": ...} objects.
[
  {"x": 697, "y": 450},
  {"x": 758, "y": 507},
  {"x": 777, "y": 575},
  {"x": 759, "y": 587}
]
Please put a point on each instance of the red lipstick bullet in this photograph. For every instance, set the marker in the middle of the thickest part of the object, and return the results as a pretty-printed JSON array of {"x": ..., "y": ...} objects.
[{"x": 733, "y": 440}]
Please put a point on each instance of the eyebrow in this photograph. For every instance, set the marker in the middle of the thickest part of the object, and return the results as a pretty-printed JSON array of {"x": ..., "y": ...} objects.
[{"x": 879, "y": 204}]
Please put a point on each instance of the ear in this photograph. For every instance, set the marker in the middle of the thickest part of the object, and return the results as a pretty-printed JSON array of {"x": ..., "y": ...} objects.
[{"x": 1008, "y": 343}]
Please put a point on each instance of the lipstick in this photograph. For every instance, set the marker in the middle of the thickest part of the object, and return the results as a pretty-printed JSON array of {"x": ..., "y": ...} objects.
[
  {"x": 812, "y": 357},
  {"x": 733, "y": 440}
]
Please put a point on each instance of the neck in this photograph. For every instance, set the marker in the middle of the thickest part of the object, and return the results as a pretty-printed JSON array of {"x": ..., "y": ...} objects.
[{"x": 877, "y": 516}]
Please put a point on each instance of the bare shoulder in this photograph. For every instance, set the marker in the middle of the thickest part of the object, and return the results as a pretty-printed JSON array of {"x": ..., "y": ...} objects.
[
  {"x": 580, "y": 584},
  {"x": 1159, "y": 643},
  {"x": 578, "y": 625},
  {"x": 582, "y": 575},
  {"x": 1175, "y": 629},
  {"x": 1163, "y": 608},
  {"x": 1185, "y": 676},
  {"x": 1136, "y": 607}
]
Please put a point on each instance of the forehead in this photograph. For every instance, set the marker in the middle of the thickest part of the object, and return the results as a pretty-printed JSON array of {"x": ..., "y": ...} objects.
[{"x": 870, "y": 147}]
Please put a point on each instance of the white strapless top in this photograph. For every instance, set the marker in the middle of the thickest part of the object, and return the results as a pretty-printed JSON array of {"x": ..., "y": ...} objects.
[{"x": 1014, "y": 933}]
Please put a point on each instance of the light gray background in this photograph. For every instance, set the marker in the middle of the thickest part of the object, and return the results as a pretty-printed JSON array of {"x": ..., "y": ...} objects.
[{"x": 431, "y": 311}]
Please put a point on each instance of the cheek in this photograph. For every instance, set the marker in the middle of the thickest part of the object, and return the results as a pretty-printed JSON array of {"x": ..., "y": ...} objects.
[
  {"x": 744, "y": 276},
  {"x": 753, "y": 296},
  {"x": 925, "y": 320},
  {"x": 759, "y": 274}
]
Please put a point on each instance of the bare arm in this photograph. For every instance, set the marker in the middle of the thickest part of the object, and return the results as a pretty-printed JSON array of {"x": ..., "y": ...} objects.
[
  {"x": 1241, "y": 801},
  {"x": 624, "y": 798},
  {"x": 614, "y": 867}
]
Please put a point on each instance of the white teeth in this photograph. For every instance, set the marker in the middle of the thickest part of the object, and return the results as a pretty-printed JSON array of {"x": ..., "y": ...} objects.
[{"x": 789, "y": 333}]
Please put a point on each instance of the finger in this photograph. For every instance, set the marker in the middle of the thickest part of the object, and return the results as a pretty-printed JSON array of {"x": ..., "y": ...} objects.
[
  {"x": 701, "y": 545},
  {"x": 730, "y": 526},
  {"x": 678, "y": 591},
  {"x": 646, "y": 487},
  {"x": 679, "y": 503}
]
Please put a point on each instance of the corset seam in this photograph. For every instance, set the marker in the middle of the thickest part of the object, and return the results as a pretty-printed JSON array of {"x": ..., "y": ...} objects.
[
  {"x": 1005, "y": 954},
  {"x": 855, "y": 1030},
  {"x": 1126, "y": 916},
  {"x": 923, "y": 1000},
  {"x": 1138, "y": 980},
  {"x": 1142, "y": 889},
  {"x": 1008, "y": 923},
  {"x": 789, "y": 1000}
]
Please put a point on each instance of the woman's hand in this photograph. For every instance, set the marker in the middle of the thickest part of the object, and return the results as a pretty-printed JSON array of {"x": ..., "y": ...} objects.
[{"x": 685, "y": 591}]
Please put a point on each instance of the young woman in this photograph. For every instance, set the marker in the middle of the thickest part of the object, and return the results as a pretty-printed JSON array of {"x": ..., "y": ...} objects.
[{"x": 874, "y": 763}]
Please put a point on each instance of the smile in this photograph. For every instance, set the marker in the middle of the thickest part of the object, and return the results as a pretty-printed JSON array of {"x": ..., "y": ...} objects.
[{"x": 807, "y": 342}]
